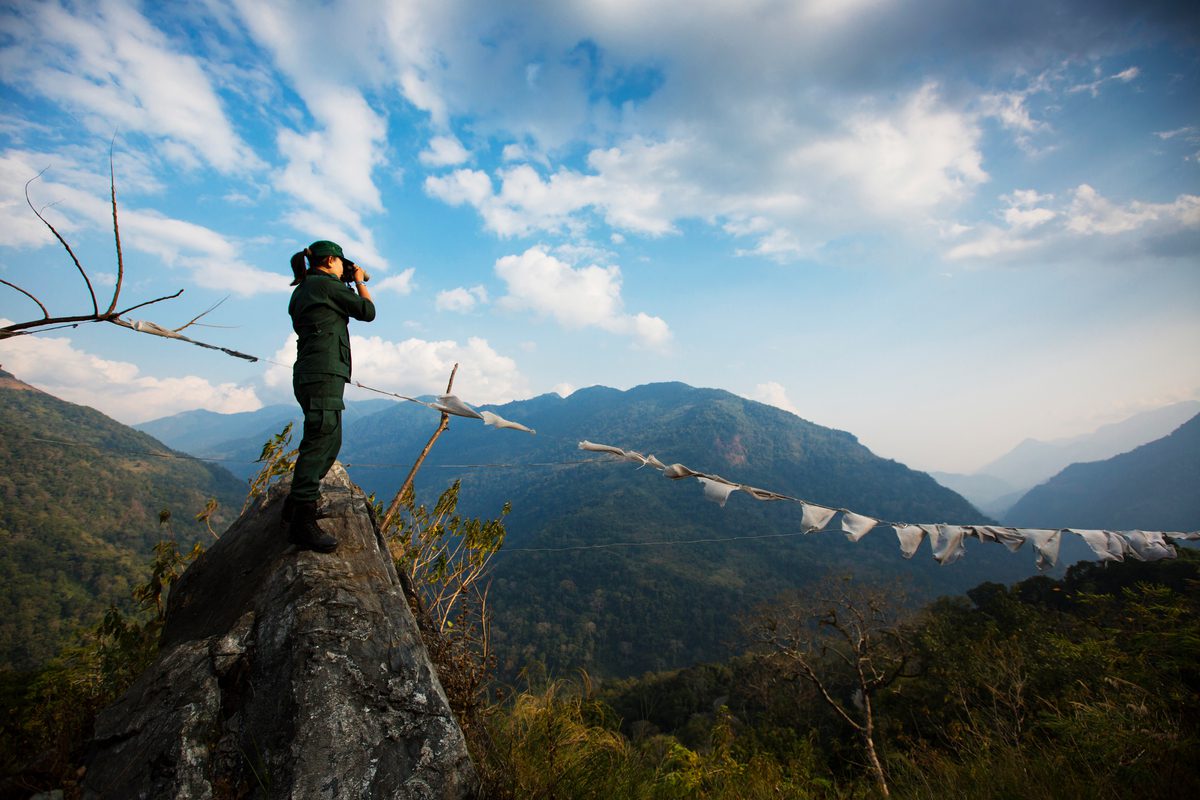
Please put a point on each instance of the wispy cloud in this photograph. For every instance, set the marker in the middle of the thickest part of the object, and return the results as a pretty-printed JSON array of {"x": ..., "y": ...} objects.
[
  {"x": 773, "y": 394},
  {"x": 401, "y": 284},
  {"x": 890, "y": 162},
  {"x": 1093, "y": 87},
  {"x": 1036, "y": 221},
  {"x": 206, "y": 257},
  {"x": 444, "y": 151},
  {"x": 119, "y": 72}
]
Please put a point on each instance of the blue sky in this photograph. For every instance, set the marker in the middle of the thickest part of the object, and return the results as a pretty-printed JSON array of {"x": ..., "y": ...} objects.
[{"x": 943, "y": 226}]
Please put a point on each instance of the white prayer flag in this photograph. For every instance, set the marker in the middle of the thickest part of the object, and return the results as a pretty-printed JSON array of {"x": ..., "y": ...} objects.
[
  {"x": 947, "y": 543},
  {"x": 856, "y": 526},
  {"x": 1149, "y": 545},
  {"x": 677, "y": 471},
  {"x": 910, "y": 537},
  {"x": 497, "y": 421},
  {"x": 1046, "y": 543},
  {"x": 450, "y": 404},
  {"x": 1009, "y": 537},
  {"x": 815, "y": 518},
  {"x": 716, "y": 491},
  {"x": 1107, "y": 545}
]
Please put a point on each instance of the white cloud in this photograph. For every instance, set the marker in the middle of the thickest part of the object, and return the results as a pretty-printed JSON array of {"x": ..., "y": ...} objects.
[
  {"x": 1090, "y": 213},
  {"x": 1124, "y": 76},
  {"x": 210, "y": 259},
  {"x": 575, "y": 297},
  {"x": 563, "y": 390},
  {"x": 1030, "y": 224},
  {"x": 773, "y": 394},
  {"x": 401, "y": 284},
  {"x": 917, "y": 157},
  {"x": 414, "y": 367},
  {"x": 330, "y": 165},
  {"x": 113, "y": 68},
  {"x": 461, "y": 299},
  {"x": 117, "y": 388},
  {"x": 898, "y": 162},
  {"x": 444, "y": 151}
]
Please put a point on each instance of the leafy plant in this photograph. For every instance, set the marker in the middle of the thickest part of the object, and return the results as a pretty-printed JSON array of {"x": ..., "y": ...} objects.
[{"x": 278, "y": 458}]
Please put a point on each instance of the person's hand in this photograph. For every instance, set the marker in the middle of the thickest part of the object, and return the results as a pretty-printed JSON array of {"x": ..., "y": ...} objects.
[{"x": 356, "y": 272}]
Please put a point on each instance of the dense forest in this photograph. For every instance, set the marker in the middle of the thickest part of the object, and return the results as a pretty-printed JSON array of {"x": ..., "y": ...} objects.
[
  {"x": 83, "y": 501},
  {"x": 1082, "y": 687}
]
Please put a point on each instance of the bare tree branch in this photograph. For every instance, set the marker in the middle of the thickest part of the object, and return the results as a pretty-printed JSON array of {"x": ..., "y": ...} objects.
[
  {"x": 859, "y": 628},
  {"x": 193, "y": 320},
  {"x": 112, "y": 315},
  {"x": 112, "y": 185},
  {"x": 63, "y": 242},
  {"x": 45, "y": 313},
  {"x": 109, "y": 315}
]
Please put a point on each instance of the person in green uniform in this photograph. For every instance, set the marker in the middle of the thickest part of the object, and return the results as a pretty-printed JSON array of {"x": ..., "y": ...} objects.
[{"x": 321, "y": 307}]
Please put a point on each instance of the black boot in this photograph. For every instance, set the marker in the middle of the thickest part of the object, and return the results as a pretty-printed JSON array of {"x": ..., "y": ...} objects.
[
  {"x": 289, "y": 508},
  {"x": 305, "y": 532}
]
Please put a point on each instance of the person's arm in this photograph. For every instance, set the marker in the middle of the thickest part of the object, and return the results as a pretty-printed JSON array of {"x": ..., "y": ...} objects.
[
  {"x": 359, "y": 285},
  {"x": 358, "y": 306}
]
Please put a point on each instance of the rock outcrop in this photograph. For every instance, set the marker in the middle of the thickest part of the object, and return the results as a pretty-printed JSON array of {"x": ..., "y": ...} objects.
[{"x": 285, "y": 673}]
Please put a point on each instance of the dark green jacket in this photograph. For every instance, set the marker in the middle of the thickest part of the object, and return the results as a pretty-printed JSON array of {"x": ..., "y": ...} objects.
[{"x": 320, "y": 308}]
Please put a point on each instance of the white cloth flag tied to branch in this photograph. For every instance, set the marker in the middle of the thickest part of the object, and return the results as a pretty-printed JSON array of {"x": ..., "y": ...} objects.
[
  {"x": 946, "y": 542},
  {"x": 154, "y": 329},
  {"x": 449, "y": 404}
]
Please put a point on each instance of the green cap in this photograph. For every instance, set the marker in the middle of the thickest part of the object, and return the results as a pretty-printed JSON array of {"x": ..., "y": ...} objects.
[{"x": 323, "y": 248}]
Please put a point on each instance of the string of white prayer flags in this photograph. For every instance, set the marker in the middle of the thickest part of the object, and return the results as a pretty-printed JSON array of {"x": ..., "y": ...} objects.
[{"x": 947, "y": 543}]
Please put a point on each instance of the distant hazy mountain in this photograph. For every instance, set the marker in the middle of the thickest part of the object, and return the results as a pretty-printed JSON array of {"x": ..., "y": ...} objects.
[
  {"x": 989, "y": 494},
  {"x": 995, "y": 488},
  {"x": 80, "y": 498},
  {"x": 1033, "y": 461},
  {"x": 1154, "y": 487},
  {"x": 625, "y": 609},
  {"x": 238, "y": 438}
]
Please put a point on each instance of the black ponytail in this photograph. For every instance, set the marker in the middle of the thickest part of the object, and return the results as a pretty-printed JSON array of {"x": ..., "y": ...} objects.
[{"x": 298, "y": 267}]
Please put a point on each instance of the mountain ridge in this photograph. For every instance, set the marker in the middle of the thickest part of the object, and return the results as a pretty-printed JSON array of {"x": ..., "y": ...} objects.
[{"x": 1152, "y": 487}]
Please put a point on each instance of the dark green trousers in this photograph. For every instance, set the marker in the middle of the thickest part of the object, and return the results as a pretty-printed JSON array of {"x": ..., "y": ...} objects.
[{"x": 320, "y": 397}]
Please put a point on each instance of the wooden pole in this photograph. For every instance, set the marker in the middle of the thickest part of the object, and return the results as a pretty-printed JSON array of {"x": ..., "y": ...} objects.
[{"x": 394, "y": 508}]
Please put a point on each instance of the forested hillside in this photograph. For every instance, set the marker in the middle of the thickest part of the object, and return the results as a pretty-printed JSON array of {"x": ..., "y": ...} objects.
[
  {"x": 81, "y": 499},
  {"x": 1083, "y": 687}
]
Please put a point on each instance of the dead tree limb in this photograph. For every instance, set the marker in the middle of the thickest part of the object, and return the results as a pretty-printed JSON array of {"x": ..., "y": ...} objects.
[
  {"x": 406, "y": 487},
  {"x": 862, "y": 629},
  {"x": 109, "y": 315}
]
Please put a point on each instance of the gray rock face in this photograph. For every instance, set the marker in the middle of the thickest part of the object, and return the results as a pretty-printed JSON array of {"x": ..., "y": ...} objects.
[{"x": 286, "y": 674}]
